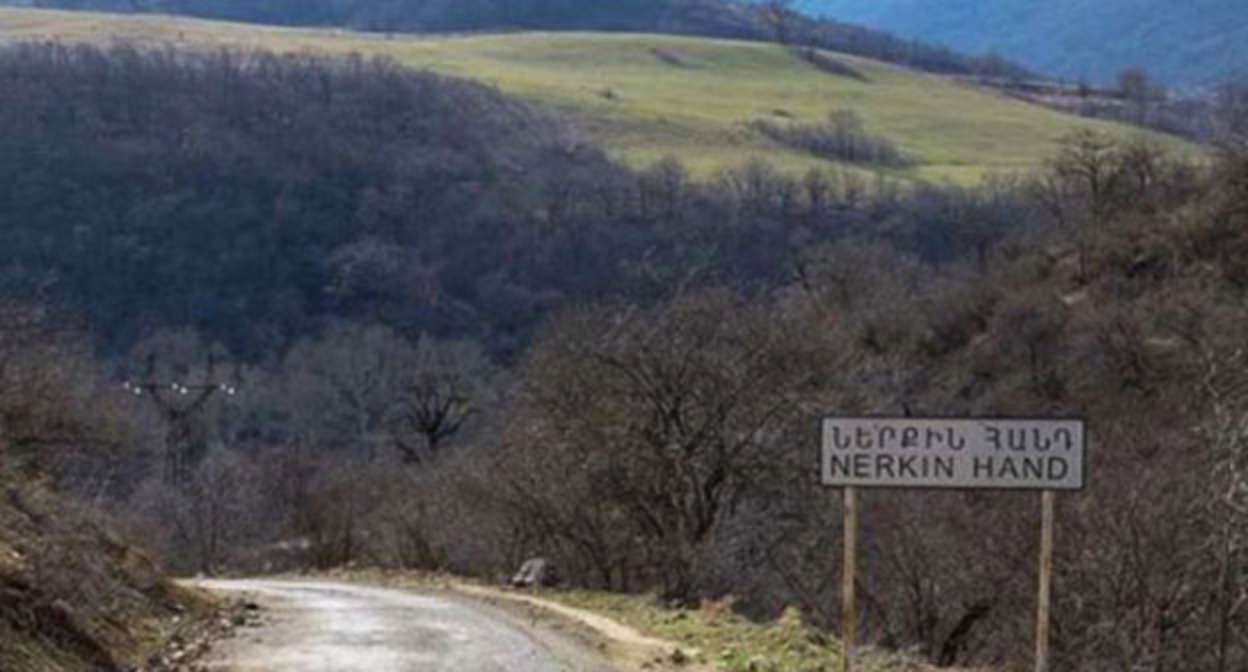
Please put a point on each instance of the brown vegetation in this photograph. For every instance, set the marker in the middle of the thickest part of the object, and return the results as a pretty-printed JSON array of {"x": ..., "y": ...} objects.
[
  {"x": 658, "y": 432},
  {"x": 72, "y": 595},
  {"x": 666, "y": 448},
  {"x": 842, "y": 137}
]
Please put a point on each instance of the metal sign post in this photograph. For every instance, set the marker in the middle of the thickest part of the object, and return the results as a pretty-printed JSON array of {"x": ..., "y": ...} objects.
[{"x": 1047, "y": 454}]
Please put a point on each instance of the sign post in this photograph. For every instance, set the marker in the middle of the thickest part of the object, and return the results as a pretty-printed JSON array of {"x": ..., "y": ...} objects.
[
  {"x": 849, "y": 579},
  {"x": 1046, "y": 454},
  {"x": 1043, "y": 621}
]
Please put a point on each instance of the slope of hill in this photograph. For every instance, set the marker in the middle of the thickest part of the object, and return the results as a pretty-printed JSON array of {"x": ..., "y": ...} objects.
[
  {"x": 1186, "y": 42},
  {"x": 72, "y": 597},
  {"x": 705, "y": 18},
  {"x": 645, "y": 97}
]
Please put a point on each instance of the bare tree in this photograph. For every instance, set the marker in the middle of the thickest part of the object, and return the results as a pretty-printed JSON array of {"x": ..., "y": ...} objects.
[
  {"x": 445, "y": 385},
  {"x": 1084, "y": 189},
  {"x": 202, "y": 524},
  {"x": 779, "y": 18},
  {"x": 1139, "y": 92},
  {"x": 367, "y": 390},
  {"x": 666, "y": 417},
  {"x": 339, "y": 392},
  {"x": 51, "y": 404},
  {"x": 1227, "y": 390}
]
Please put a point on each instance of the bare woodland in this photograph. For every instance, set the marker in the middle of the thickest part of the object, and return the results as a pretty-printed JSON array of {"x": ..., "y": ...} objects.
[{"x": 657, "y": 433}]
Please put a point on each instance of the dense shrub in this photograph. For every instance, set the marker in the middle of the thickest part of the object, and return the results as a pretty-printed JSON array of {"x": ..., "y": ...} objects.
[{"x": 843, "y": 137}]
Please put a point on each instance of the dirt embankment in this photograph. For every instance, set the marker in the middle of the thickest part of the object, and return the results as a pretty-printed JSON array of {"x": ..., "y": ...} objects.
[{"x": 75, "y": 597}]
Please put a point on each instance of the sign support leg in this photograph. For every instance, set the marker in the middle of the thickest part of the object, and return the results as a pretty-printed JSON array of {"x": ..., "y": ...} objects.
[
  {"x": 1047, "y": 518},
  {"x": 849, "y": 579}
]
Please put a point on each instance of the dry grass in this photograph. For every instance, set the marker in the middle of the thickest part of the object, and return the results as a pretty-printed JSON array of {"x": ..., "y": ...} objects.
[
  {"x": 714, "y": 634},
  {"x": 73, "y": 598}
]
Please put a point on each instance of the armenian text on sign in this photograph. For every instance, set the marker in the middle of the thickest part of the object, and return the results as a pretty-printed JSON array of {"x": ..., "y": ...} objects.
[{"x": 954, "y": 453}]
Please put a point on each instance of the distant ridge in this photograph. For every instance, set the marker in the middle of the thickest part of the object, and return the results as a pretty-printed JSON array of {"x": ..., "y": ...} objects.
[{"x": 1183, "y": 42}]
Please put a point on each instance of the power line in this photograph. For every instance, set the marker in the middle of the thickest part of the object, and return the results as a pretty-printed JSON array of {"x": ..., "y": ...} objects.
[{"x": 178, "y": 403}]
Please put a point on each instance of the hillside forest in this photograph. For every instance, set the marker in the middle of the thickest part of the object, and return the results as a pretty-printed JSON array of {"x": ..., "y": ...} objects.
[{"x": 272, "y": 313}]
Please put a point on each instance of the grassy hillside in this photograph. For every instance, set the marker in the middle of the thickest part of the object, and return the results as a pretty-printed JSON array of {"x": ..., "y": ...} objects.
[
  {"x": 646, "y": 96},
  {"x": 704, "y": 18}
]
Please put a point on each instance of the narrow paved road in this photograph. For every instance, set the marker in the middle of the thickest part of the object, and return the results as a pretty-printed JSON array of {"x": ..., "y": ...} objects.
[{"x": 312, "y": 626}]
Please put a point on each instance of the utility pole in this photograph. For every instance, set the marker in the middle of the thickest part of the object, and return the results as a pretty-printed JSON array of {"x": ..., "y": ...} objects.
[{"x": 178, "y": 403}]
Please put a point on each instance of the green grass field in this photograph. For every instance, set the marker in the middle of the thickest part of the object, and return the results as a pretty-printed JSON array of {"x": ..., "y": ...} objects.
[{"x": 645, "y": 97}]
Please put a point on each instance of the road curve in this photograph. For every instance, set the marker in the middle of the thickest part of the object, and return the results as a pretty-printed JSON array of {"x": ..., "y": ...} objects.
[{"x": 314, "y": 626}]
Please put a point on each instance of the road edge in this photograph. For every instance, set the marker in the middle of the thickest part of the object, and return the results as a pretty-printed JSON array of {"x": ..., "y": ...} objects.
[{"x": 623, "y": 645}]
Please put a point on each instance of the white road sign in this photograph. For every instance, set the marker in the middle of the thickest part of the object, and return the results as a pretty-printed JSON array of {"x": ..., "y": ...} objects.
[{"x": 985, "y": 453}]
